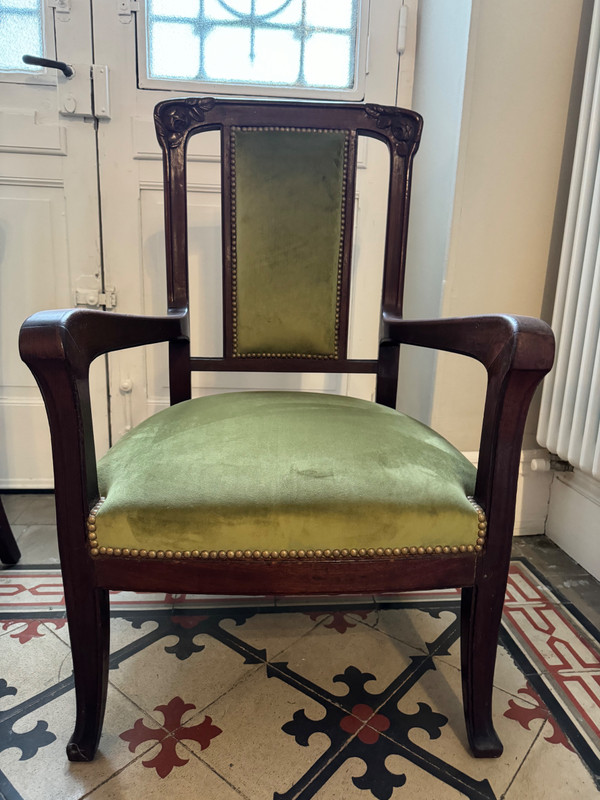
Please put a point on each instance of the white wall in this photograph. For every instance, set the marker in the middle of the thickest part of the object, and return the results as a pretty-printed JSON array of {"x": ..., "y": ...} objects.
[
  {"x": 439, "y": 81},
  {"x": 519, "y": 78},
  {"x": 498, "y": 84}
]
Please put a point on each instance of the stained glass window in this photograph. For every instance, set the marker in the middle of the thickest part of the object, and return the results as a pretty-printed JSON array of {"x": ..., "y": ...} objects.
[
  {"x": 20, "y": 32},
  {"x": 289, "y": 43}
]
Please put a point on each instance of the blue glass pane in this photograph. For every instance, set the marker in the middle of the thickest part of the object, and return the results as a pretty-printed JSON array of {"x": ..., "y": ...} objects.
[
  {"x": 327, "y": 61},
  {"x": 280, "y": 10},
  {"x": 230, "y": 56},
  {"x": 215, "y": 10},
  {"x": 175, "y": 51},
  {"x": 29, "y": 5},
  {"x": 175, "y": 8},
  {"x": 238, "y": 7},
  {"x": 330, "y": 13},
  {"x": 20, "y": 32}
]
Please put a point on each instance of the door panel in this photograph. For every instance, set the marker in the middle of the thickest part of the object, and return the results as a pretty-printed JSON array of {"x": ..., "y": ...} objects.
[{"x": 49, "y": 239}]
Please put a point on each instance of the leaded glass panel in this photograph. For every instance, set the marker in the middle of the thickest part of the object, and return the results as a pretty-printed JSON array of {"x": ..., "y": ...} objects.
[{"x": 290, "y": 43}]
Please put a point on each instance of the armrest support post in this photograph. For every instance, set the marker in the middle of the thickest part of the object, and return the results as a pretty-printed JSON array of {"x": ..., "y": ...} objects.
[
  {"x": 58, "y": 347},
  {"x": 517, "y": 352}
]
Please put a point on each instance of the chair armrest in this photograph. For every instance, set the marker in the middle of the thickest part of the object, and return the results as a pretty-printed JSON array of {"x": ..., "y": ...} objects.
[
  {"x": 517, "y": 352},
  {"x": 522, "y": 342},
  {"x": 78, "y": 335},
  {"x": 58, "y": 347}
]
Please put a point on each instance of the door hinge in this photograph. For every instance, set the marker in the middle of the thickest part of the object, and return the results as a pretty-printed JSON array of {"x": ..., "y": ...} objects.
[
  {"x": 125, "y": 8},
  {"x": 62, "y": 9},
  {"x": 93, "y": 298},
  {"x": 402, "y": 25},
  {"x": 100, "y": 92}
]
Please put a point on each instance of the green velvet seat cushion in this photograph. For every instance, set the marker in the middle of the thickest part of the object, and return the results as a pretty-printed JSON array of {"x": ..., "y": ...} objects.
[{"x": 275, "y": 471}]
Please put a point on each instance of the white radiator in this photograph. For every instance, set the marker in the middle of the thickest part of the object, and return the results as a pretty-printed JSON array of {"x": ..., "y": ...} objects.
[{"x": 570, "y": 415}]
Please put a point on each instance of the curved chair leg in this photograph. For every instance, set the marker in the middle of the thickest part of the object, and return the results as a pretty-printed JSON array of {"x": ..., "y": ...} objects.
[
  {"x": 9, "y": 551},
  {"x": 481, "y": 612},
  {"x": 89, "y": 633}
]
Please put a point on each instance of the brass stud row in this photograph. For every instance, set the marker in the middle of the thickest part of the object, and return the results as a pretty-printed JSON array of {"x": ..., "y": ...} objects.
[
  {"x": 481, "y": 525},
  {"x": 290, "y": 129},
  {"x": 283, "y": 355},
  {"x": 273, "y": 555},
  {"x": 91, "y": 528},
  {"x": 338, "y": 298}
]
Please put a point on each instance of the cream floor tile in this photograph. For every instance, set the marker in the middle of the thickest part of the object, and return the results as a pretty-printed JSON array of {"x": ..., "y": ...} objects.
[
  {"x": 194, "y": 780},
  {"x": 153, "y": 676},
  {"x": 272, "y": 632},
  {"x": 441, "y": 690},
  {"x": 415, "y": 627},
  {"x": 17, "y": 530},
  {"x": 253, "y": 753},
  {"x": 30, "y": 509},
  {"x": 54, "y": 777},
  {"x": 551, "y": 772},
  {"x": 38, "y": 544},
  {"x": 418, "y": 627},
  {"x": 30, "y": 665},
  {"x": 123, "y": 632},
  {"x": 325, "y": 653}
]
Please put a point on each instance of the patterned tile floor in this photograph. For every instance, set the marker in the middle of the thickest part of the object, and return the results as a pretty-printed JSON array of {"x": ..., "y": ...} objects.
[{"x": 284, "y": 700}]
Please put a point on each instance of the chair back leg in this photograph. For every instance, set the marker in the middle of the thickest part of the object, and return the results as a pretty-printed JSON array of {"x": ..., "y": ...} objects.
[
  {"x": 9, "y": 551},
  {"x": 481, "y": 612}
]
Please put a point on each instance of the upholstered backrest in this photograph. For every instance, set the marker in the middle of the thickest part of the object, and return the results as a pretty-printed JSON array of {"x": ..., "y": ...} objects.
[
  {"x": 288, "y": 222},
  {"x": 288, "y": 188}
]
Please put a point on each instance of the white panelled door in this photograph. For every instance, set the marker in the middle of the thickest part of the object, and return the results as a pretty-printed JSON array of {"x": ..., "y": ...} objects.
[
  {"x": 49, "y": 220},
  {"x": 81, "y": 208}
]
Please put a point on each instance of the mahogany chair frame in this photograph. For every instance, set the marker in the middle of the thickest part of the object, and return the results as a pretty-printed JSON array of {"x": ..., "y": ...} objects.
[{"x": 59, "y": 347}]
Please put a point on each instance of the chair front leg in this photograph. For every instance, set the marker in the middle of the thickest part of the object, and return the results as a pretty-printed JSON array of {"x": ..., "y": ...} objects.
[
  {"x": 88, "y": 616},
  {"x": 481, "y": 612}
]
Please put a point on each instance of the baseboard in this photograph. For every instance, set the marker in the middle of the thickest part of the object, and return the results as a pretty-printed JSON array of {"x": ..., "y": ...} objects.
[
  {"x": 26, "y": 485},
  {"x": 533, "y": 492},
  {"x": 574, "y": 518}
]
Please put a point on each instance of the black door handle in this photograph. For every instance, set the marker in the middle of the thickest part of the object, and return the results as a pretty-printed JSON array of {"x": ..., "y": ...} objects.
[{"x": 48, "y": 62}]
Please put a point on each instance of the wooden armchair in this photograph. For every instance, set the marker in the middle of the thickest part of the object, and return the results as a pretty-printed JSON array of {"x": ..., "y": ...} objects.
[{"x": 282, "y": 492}]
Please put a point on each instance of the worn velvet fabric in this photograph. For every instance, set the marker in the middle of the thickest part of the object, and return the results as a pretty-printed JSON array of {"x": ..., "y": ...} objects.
[
  {"x": 288, "y": 190},
  {"x": 283, "y": 471}
]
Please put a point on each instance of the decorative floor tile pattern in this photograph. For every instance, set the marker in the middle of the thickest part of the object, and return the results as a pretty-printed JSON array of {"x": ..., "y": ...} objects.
[{"x": 352, "y": 701}]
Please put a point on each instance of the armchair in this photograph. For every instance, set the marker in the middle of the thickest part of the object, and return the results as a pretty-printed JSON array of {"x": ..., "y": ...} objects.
[{"x": 282, "y": 492}]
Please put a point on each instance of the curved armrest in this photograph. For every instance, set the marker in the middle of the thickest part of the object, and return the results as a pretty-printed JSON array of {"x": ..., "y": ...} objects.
[
  {"x": 78, "y": 335},
  {"x": 517, "y": 352},
  {"x": 59, "y": 346},
  {"x": 521, "y": 342}
]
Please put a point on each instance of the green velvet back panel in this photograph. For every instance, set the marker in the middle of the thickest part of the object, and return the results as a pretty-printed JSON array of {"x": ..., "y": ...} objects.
[{"x": 288, "y": 224}]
